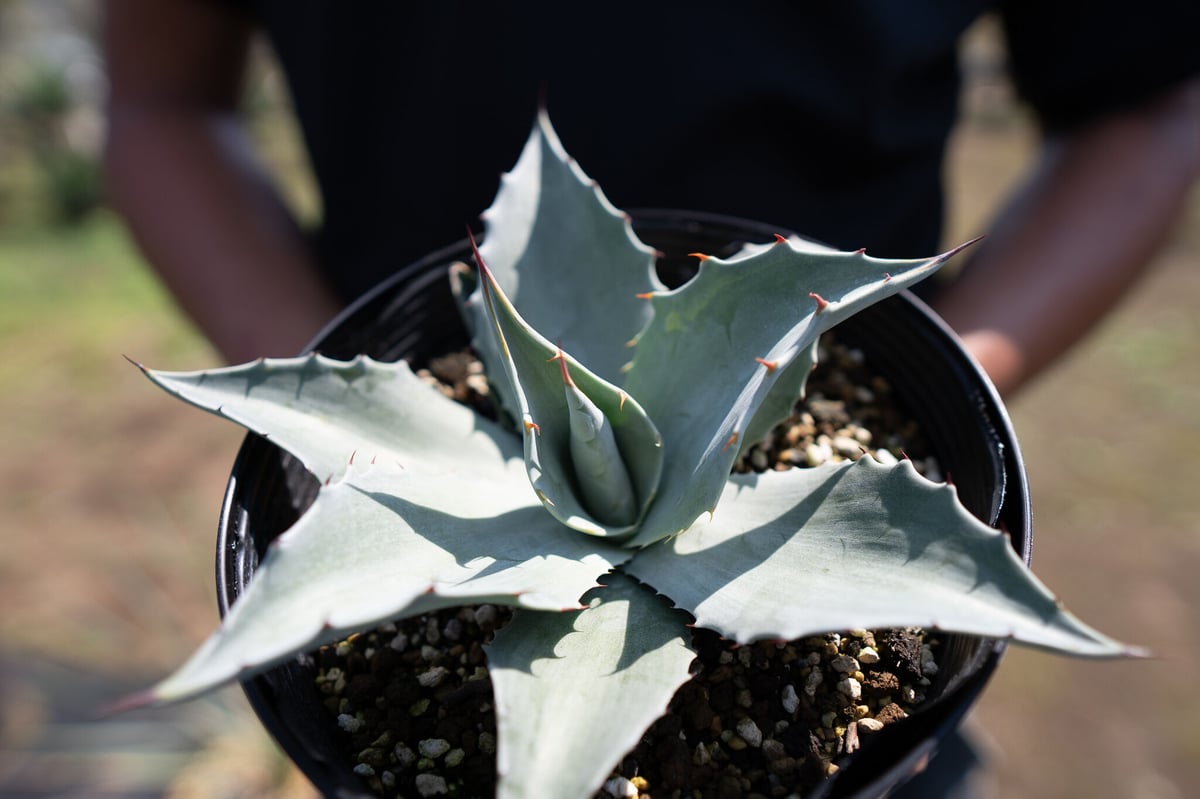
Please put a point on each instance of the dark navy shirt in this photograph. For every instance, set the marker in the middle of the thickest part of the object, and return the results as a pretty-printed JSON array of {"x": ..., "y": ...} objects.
[{"x": 827, "y": 118}]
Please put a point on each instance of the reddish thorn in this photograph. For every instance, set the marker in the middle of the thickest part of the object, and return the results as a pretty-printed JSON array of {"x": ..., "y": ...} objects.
[
  {"x": 733, "y": 437},
  {"x": 352, "y": 454},
  {"x": 771, "y": 365},
  {"x": 475, "y": 253},
  {"x": 135, "y": 363},
  {"x": 780, "y": 239},
  {"x": 631, "y": 343},
  {"x": 659, "y": 254},
  {"x": 699, "y": 255},
  {"x": 532, "y": 426},
  {"x": 822, "y": 303},
  {"x": 887, "y": 276},
  {"x": 126, "y": 703},
  {"x": 949, "y": 478},
  {"x": 373, "y": 457},
  {"x": 861, "y": 251},
  {"x": 904, "y": 456},
  {"x": 562, "y": 362},
  {"x": 645, "y": 295},
  {"x": 621, "y": 401}
]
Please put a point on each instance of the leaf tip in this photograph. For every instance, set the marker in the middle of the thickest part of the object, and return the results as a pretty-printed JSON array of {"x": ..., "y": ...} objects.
[{"x": 126, "y": 703}]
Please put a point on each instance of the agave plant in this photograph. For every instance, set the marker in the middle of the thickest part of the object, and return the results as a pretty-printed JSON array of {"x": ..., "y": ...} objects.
[{"x": 629, "y": 404}]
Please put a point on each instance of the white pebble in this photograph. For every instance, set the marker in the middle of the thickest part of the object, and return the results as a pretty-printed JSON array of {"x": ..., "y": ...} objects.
[
  {"x": 791, "y": 702},
  {"x": 813, "y": 680},
  {"x": 928, "y": 665},
  {"x": 404, "y": 756},
  {"x": 846, "y": 446},
  {"x": 431, "y": 785},
  {"x": 773, "y": 750},
  {"x": 478, "y": 384},
  {"x": 434, "y": 677},
  {"x": 350, "y": 723},
  {"x": 620, "y": 788},
  {"x": 870, "y": 725},
  {"x": 868, "y": 655},
  {"x": 485, "y": 615},
  {"x": 433, "y": 747},
  {"x": 453, "y": 630},
  {"x": 432, "y": 633},
  {"x": 816, "y": 453},
  {"x": 487, "y": 743},
  {"x": 886, "y": 457},
  {"x": 844, "y": 663},
  {"x": 750, "y": 732},
  {"x": 851, "y": 687},
  {"x": 363, "y": 770}
]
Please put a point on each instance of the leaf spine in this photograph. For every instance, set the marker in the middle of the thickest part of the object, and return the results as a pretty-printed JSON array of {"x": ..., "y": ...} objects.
[{"x": 771, "y": 365}]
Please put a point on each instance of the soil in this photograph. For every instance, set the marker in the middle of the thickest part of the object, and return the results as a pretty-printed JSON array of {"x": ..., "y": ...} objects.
[{"x": 770, "y": 719}]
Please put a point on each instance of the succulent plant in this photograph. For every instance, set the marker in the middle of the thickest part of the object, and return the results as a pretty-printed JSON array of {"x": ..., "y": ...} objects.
[{"x": 612, "y": 485}]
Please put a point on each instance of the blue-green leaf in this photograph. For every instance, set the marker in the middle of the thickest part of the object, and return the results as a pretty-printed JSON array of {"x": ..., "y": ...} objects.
[
  {"x": 718, "y": 345},
  {"x": 575, "y": 691},
  {"x": 863, "y": 545}
]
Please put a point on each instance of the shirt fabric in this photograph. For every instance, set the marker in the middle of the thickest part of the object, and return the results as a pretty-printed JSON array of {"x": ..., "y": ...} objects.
[{"x": 829, "y": 119}]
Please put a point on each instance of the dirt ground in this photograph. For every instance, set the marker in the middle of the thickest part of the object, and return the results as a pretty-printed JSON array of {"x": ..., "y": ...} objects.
[{"x": 110, "y": 493}]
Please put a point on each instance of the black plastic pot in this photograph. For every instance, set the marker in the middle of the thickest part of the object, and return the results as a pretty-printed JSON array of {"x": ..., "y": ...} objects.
[{"x": 412, "y": 316}]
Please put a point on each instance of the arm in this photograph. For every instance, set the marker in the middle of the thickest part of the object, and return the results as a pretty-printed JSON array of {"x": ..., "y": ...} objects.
[
  {"x": 1075, "y": 238},
  {"x": 181, "y": 171}
]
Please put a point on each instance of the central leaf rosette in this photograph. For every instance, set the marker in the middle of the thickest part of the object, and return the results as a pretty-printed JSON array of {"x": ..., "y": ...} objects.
[{"x": 634, "y": 401}]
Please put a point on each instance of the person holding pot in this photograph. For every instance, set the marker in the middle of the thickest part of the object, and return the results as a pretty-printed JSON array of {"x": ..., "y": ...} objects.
[{"x": 831, "y": 121}]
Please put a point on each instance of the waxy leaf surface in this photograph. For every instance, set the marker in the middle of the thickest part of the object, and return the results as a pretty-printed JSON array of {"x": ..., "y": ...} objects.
[
  {"x": 856, "y": 545},
  {"x": 431, "y": 513},
  {"x": 574, "y": 691}
]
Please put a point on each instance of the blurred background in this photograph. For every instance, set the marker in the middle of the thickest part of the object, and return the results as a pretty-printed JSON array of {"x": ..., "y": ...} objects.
[{"x": 109, "y": 491}]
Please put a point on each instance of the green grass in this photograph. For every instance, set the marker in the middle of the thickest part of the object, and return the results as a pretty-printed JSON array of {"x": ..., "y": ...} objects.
[{"x": 78, "y": 298}]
